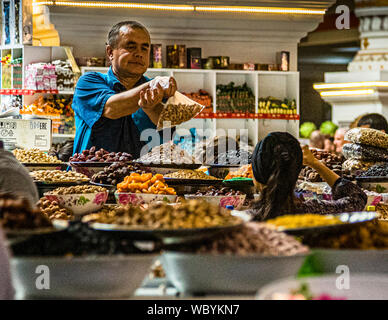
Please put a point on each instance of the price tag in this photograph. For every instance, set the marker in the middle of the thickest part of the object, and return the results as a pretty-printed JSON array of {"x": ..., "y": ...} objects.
[{"x": 34, "y": 133}]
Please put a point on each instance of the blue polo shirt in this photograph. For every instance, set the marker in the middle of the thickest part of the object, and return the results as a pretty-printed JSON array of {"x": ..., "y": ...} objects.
[{"x": 92, "y": 129}]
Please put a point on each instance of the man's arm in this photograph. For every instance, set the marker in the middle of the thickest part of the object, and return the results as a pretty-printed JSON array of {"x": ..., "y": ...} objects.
[{"x": 123, "y": 104}]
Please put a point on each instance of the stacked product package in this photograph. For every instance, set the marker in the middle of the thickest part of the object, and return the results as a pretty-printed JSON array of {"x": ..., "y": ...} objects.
[
  {"x": 40, "y": 76},
  {"x": 65, "y": 75}
]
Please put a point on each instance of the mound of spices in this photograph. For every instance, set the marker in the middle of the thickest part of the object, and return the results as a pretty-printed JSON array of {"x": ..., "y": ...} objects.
[
  {"x": 16, "y": 213},
  {"x": 254, "y": 238},
  {"x": 100, "y": 155}
]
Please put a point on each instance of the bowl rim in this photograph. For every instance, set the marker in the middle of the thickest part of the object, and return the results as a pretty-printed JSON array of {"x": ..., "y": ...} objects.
[
  {"x": 147, "y": 194},
  {"x": 233, "y": 256},
  {"x": 73, "y": 194},
  {"x": 216, "y": 197}
]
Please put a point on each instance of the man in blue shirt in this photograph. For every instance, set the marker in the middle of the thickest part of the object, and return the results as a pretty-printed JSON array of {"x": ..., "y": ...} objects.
[{"x": 113, "y": 110}]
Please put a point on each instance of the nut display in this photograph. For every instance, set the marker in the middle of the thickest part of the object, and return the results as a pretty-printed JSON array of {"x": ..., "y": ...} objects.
[
  {"x": 167, "y": 153},
  {"x": 331, "y": 160},
  {"x": 213, "y": 191},
  {"x": 382, "y": 210},
  {"x": 116, "y": 173},
  {"x": 145, "y": 183},
  {"x": 100, "y": 155},
  {"x": 293, "y": 221},
  {"x": 354, "y": 165},
  {"x": 77, "y": 190},
  {"x": 16, "y": 213},
  {"x": 378, "y": 170},
  {"x": 190, "y": 174},
  {"x": 234, "y": 157},
  {"x": 190, "y": 214},
  {"x": 364, "y": 152},
  {"x": 177, "y": 114},
  {"x": 371, "y": 235},
  {"x": 243, "y": 172},
  {"x": 52, "y": 210},
  {"x": 57, "y": 176},
  {"x": 367, "y": 136},
  {"x": 254, "y": 238},
  {"x": 34, "y": 156}
]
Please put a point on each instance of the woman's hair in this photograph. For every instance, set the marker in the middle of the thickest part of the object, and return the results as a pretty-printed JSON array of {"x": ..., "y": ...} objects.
[
  {"x": 276, "y": 163},
  {"x": 375, "y": 121}
]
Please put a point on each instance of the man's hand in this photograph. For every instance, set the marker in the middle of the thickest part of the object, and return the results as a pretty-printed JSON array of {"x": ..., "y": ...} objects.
[
  {"x": 172, "y": 87},
  {"x": 308, "y": 157},
  {"x": 168, "y": 85},
  {"x": 150, "y": 98}
]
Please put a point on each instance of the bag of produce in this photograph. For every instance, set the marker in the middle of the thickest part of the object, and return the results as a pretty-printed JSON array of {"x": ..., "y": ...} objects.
[
  {"x": 367, "y": 136},
  {"x": 363, "y": 152}
]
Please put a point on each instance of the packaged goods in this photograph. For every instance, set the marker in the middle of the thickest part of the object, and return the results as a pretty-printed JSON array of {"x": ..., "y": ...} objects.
[
  {"x": 371, "y": 235},
  {"x": 176, "y": 56},
  {"x": 243, "y": 172},
  {"x": 34, "y": 156},
  {"x": 66, "y": 79},
  {"x": 254, "y": 238},
  {"x": 194, "y": 56},
  {"x": 145, "y": 183},
  {"x": 16, "y": 213},
  {"x": 368, "y": 136},
  {"x": 52, "y": 210},
  {"x": 303, "y": 221},
  {"x": 213, "y": 191},
  {"x": 101, "y": 155},
  {"x": 364, "y": 152},
  {"x": 277, "y": 106},
  {"x": 77, "y": 240},
  {"x": 77, "y": 190},
  {"x": 55, "y": 176},
  {"x": 190, "y": 214},
  {"x": 190, "y": 174},
  {"x": 178, "y": 109},
  {"x": 167, "y": 153},
  {"x": 354, "y": 165},
  {"x": 231, "y": 98},
  {"x": 378, "y": 170},
  {"x": 116, "y": 173}
]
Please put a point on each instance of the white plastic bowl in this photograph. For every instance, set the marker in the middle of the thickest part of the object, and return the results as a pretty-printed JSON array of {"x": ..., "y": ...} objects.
[
  {"x": 80, "y": 204},
  {"x": 125, "y": 198},
  {"x": 82, "y": 277},
  {"x": 222, "y": 201}
]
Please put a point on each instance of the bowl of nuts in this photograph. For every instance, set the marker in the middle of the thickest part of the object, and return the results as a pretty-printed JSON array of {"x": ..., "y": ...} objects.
[
  {"x": 79, "y": 199},
  {"x": 222, "y": 197},
  {"x": 127, "y": 198}
]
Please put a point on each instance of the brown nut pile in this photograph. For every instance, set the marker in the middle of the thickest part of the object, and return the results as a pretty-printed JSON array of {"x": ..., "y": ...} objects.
[
  {"x": 190, "y": 214},
  {"x": 16, "y": 213},
  {"x": 167, "y": 153},
  {"x": 54, "y": 176},
  {"x": 371, "y": 235},
  {"x": 34, "y": 156},
  {"x": 177, "y": 114},
  {"x": 331, "y": 160},
  {"x": 52, "y": 210},
  {"x": 368, "y": 136},
  {"x": 253, "y": 238},
  {"x": 190, "y": 174},
  {"x": 78, "y": 190}
]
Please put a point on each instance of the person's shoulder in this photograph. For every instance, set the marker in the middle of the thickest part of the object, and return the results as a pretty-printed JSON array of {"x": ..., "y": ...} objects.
[{"x": 92, "y": 77}]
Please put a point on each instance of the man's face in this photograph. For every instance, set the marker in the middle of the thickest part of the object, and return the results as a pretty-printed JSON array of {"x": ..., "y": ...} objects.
[
  {"x": 131, "y": 56},
  {"x": 339, "y": 140}
]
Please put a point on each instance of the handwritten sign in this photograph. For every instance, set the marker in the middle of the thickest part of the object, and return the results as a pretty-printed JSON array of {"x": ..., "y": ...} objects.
[{"x": 35, "y": 133}]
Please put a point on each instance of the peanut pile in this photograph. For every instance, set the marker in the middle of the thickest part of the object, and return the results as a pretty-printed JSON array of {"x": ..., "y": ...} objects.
[
  {"x": 34, "y": 156},
  {"x": 54, "y": 176},
  {"x": 78, "y": 190}
]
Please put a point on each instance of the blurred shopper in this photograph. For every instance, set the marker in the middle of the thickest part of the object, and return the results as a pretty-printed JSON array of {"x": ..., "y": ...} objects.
[
  {"x": 6, "y": 289},
  {"x": 374, "y": 121},
  {"x": 339, "y": 139},
  {"x": 317, "y": 140}
]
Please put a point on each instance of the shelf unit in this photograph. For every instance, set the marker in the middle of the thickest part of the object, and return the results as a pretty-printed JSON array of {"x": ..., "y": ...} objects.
[{"x": 278, "y": 84}]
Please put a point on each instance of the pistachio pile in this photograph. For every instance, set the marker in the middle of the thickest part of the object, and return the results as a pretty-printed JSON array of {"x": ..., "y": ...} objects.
[
  {"x": 34, "y": 156},
  {"x": 190, "y": 214},
  {"x": 78, "y": 190},
  {"x": 177, "y": 114},
  {"x": 55, "y": 176}
]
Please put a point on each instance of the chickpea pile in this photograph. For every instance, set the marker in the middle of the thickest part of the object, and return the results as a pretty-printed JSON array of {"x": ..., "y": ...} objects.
[
  {"x": 52, "y": 210},
  {"x": 145, "y": 183},
  {"x": 58, "y": 176},
  {"x": 78, "y": 190},
  {"x": 190, "y": 214},
  {"x": 34, "y": 156}
]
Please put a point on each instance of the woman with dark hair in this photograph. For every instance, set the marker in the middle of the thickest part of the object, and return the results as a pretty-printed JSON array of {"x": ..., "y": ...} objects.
[
  {"x": 276, "y": 163},
  {"x": 374, "y": 121}
]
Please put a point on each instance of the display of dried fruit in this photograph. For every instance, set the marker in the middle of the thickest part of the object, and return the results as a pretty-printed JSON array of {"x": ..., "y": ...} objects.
[
  {"x": 84, "y": 189},
  {"x": 100, "y": 155},
  {"x": 50, "y": 105},
  {"x": 213, "y": 191},
  {"x": 57, "y": 176},
  {"x": 34, "y": 156},
  {"x": 145, "y": 183},
  {"x": 175, "y": 114},
  {"x": 116, "y": 173},
  {"x": 52, "y": 210},
  {"x": 203, "y": 98},
  {"x": 243, "y": 172}
]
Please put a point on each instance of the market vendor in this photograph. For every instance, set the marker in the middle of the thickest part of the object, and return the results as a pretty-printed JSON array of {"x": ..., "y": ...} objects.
[
  {"x": 276, "y": 163},
  {"x": 113, "y": 110}
]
